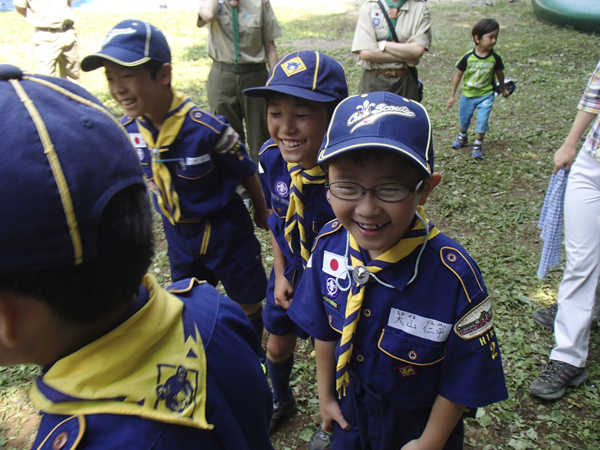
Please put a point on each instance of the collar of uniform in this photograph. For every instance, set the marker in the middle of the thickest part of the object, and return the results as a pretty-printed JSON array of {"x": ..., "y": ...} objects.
[{"x": 400, "y": 273}]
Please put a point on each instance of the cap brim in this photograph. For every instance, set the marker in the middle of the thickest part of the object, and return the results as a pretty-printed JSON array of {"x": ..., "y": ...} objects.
[
  {"x": 379, "y": 143},
  {"x": 294, "y": 91},
  {"x": 116, "y": 55}
]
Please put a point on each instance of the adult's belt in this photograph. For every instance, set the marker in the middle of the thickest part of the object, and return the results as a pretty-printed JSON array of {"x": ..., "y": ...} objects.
[
  {"x": 389, "y": 73},
  {"x": 66, "y": 27},
  {"x": 239, "y": 68}
]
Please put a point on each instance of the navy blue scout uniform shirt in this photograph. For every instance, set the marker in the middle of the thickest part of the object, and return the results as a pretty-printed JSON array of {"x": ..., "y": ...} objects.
[
  {"x": 434, "y": 336},
  {"x": 208, "y": 162},
  {"x": 230, "y": 406},
  {"x": 276, "y": 181}
]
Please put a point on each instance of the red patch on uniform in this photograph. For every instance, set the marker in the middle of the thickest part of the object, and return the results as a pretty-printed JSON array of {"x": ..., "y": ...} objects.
[
  {"x": 334, "y": 264},
  {"x": 406, "y": 371},
  {"x": 137, "y": 140}
]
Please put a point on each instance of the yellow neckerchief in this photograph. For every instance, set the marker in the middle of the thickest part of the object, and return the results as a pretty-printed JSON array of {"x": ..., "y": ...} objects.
[
  {"x": 152, "y": 366},
  {"x": 295, "y": 213},
  {"x": 168, "y": 200},
  {"x": 356, "y": 294}
]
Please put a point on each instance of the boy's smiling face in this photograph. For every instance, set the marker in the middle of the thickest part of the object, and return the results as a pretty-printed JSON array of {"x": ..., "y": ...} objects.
[
  {"x": 135, "y": 90},
  {"x": 377, "y": 225},
  {"x": 297, "y": 126}
]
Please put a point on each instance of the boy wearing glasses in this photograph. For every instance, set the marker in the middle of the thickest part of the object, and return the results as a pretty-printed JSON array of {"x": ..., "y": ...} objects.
[{"x": 402, "y": 321}]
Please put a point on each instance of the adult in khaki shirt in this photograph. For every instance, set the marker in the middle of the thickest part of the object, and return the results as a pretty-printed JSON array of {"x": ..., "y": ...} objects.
[
  {"x": 390, "y": 65},
  {"x": 55, "y": 38},
  {"x": 241, "y": 41}
]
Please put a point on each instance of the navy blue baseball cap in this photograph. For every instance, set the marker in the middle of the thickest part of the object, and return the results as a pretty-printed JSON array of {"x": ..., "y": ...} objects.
[
  {"x": 64, "y": 156},
  {"x": 130, "y": 43},
  {"x": 306, "y": 74},
  {"x": 380, "y": 120}
]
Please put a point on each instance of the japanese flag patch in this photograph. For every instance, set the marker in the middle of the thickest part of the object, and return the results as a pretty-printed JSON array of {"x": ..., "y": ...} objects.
[
  {"x": 377, "y": 18},
  {"x": 334, "y": 265},
  {"x": 137, "y": 140}
]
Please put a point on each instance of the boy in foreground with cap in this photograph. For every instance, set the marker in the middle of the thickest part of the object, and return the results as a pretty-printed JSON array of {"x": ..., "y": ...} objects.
[
  {"x": 302, "y": 91},
  {"x": 402, "y": 321},
  {"x": 127, "y": 364},
  {"x": 193, "y": 162}
]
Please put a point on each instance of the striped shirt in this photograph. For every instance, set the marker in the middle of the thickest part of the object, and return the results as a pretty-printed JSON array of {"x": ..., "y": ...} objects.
[{"x": 590, "y": 102}]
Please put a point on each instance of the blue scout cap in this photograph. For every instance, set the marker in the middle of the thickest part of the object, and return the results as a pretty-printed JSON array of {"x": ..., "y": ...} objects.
[
  {"x": 64, "y": 156},
  {"x": 380, "y": 120},
  {"x": 130, "y": 43},
  {"x": 307, "y": 74}
]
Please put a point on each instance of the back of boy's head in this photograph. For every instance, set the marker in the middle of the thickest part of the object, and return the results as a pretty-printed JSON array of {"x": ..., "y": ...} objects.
[
  {"x": 307, "y": 75},
  {"x": 379, "y": 122},
  {"x": 75, "y": 220},
  {"x": 484, "y": 26},
  {"x": 131, "y": 43}
]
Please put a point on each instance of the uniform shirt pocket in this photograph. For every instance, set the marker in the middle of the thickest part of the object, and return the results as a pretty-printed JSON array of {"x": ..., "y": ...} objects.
[{"x": 195, "y": 168}]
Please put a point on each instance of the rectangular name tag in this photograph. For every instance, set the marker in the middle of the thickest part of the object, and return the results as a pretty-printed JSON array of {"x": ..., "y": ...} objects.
[
  {"x": 419, "y": 326},
  {"x": 197, "y": 160}
]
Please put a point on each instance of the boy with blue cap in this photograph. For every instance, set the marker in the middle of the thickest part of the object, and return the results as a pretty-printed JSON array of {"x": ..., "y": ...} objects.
[
  {"x": 301, "y": 93},
  {"x": 402, "y": 321},
  {"x": 193, "y": 162},
  {"x": 127, "y": 364}
]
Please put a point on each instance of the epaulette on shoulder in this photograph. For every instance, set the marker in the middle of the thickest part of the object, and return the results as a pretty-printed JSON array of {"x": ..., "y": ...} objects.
[
  {"x": 465, "y": 270},
  {"x": 183, "y": 286},
  {"x": 206, "y": 119},
  {"x": 265, "y": 147},
  {"x": 330, "y": 227},
  {"x": 66, "y": 435},
  {"x": 127, "y": 120}
]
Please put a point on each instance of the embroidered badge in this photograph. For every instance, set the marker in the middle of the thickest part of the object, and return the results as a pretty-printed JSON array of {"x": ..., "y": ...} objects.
[
  {"x": 137, "y": 140},
  {"x": 177, "y": 392},
  {"x": 196, "y": 114},
  {"x": 281, "y": 188},
  {"x": 423, "y": 327},
  {"x": 476, "y": 322},
  {"x": 293, "y": 66},
  {"x": 412, "y": 355},
  {"x": 140, "y": 153},
  {"x": 376, "y": 18},
  {"x": 334, "y": 265},
  {"x": 331, "y": 288},
  {"x": 368, "y": 113},
  {"x": 229, "y": 140},
  {"x": 406, "y": 371}
]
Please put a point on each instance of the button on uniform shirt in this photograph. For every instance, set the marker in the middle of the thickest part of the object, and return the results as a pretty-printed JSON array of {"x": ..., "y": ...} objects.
[
  {"x": 257, "y": 25},
  {"x": 47, "y": 13},
  {"x": 590, "y": 102},
  {"x": 413, "y": 25}
]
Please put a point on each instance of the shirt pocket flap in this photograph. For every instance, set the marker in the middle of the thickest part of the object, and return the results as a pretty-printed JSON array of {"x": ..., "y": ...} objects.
[{"x": 403, "y": 347}]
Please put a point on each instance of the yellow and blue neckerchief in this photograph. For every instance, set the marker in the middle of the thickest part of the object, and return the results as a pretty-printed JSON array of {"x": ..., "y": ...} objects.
[
  {"x": 295, "y": 213},
  {"x": 419, "y": 234},
  {"x": 168, "y": 200},
  {"x": 152, "y": 366}
]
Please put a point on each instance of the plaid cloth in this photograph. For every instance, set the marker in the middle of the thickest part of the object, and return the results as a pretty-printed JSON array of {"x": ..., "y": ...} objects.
[
  {"x": 551, "y": 222},
  {"x": 590, "y": 102}
]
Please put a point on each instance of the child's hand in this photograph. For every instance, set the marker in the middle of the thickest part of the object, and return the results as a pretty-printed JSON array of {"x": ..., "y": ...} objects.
[
  {"x": 505, "y": 93},
  {"x": 451, "y": 102},
  {"x": 283, "y": 292},
  {"x": 331, "y": 411},
  {"x": 260, "y": 215}
]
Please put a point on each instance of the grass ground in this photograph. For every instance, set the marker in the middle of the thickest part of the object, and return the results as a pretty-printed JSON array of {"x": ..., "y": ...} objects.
[{"x": 490, "y": 206}]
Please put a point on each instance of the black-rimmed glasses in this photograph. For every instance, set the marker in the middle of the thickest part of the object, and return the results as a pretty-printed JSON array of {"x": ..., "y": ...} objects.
[{"x": 390, "y": 192}]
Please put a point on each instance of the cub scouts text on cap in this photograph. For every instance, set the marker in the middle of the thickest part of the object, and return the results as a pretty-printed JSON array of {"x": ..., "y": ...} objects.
[{"x": 381, "y": 120}]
